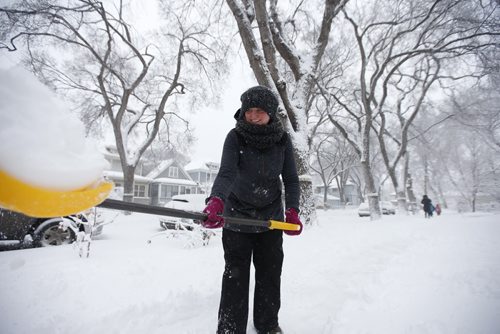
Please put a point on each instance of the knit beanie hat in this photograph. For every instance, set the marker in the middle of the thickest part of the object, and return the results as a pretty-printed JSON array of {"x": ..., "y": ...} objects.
[{"x": 258, "y": 97}]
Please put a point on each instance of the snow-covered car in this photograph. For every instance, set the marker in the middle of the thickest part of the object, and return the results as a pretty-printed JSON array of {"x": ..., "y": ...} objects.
[
  {"x": 387, "y": 208},
  {"x": 364, "y": 210},
  {"x": 187, "y": 202},
  {"x": 18, "y": 230}
]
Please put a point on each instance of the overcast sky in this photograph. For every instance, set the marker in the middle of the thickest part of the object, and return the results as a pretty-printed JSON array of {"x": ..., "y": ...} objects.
[
  {"x": 213, "y": 123},
  {"x": 210, "y": 124}
]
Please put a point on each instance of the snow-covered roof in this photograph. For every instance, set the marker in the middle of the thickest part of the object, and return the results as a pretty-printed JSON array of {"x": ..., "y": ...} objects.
[
  {"x": 175, "y": 181},
  {"x": 119, "y": 175},
  {"x": 201, "y": 166},
  {"x": 160, "y": 168}
]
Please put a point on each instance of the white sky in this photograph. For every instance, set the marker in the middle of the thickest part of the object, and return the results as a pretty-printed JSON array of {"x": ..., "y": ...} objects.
[{"x": 211, "y": 125}]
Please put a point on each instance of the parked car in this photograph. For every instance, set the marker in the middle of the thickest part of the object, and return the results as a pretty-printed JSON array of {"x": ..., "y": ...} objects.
[
  {"x": 387, "y": 209},
  {"x": 364, "y": 210},
  {"x": 188, "y": 202},
  {"x": 17, "y": 229}
]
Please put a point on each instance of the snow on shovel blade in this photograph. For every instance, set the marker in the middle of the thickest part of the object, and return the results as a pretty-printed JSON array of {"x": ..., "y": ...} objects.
[{"x": 157, "y": 210}]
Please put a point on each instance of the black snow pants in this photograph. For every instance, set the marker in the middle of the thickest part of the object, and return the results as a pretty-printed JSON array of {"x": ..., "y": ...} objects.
[{"x": 267, "y": 251}]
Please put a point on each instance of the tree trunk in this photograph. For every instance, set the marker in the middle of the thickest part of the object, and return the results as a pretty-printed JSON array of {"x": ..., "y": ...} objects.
[
  {"x": 341, "y": 187},
  {"x": 401, "y": 198},
  {"x": 372, "y": 193},
  {"x": 426, "y": 174},
  {"x": 400, "y": 191},
  {"x": 325, "y": 196},
  {"x": 272, "y": 60},
  {"x": 411, "y": 194},
  {"x": 128, "y": 183},
  {"x": 308, "y": 207}
]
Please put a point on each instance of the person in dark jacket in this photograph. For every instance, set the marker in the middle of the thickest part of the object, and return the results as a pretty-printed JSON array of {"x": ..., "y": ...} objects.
[
  {"x": 428, "y": 207},
  {"x": 256, "y": 153}
]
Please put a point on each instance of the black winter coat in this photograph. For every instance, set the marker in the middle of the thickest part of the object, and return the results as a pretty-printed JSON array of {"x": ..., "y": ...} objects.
[
  {"x": 249, "y": 181},
  {"x": 427, "y": 204}
]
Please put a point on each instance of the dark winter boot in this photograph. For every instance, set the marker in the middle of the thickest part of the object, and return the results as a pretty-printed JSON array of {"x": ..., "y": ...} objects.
[{"x": 276, "y": 330}]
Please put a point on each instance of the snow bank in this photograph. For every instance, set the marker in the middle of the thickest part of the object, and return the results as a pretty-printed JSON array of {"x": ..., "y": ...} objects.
[
  {"x": 41, "y": 142},
  {"x": 402, "y": 274}
]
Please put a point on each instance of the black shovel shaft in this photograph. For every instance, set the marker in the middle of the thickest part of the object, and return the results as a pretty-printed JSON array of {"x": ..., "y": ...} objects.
[
  {"x": 151, "y": 209},
  {"x": 158, "y": 210}
]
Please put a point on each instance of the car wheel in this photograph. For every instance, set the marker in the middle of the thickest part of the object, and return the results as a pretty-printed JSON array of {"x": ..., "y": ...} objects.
[{"x": 48, "y": 233}]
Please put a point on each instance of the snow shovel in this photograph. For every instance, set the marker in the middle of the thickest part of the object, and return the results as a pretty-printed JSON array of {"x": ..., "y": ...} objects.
[{"x": 156, "y": 210}]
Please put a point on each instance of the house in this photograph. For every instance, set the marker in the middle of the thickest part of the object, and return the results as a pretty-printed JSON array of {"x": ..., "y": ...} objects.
[
  {"x": 351, "y": 195},
  {"x": 168, "y": 179},
  {"x": 203, "y": 173},
  {"x": 115, "y": 174},
  {"x": 158, "y": 186}
]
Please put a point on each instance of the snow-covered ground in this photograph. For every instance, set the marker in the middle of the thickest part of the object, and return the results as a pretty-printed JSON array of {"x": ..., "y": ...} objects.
[{"x": 345, "y": 275}]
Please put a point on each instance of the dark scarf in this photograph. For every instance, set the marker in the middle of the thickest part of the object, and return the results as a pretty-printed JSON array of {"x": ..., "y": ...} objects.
[{"x": 261, "y": 137}]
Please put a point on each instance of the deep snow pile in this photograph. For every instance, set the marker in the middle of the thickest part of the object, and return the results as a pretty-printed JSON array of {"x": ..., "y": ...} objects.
[
  {"x": 346, "y": 275},
  {"x": 42, "y": 142}
]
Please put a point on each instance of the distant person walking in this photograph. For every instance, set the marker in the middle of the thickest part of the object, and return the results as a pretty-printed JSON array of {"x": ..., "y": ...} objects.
[
  {"x": 438, "y": 209},
  {"x": 428, "y": 207}
]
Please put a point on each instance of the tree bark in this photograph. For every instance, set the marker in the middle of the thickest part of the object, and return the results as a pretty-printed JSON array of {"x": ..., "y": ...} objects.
[
  {"x": 267, "y": 61},
  {"x": 128, "y": 182},
  {"x": 371, "y": 191}
]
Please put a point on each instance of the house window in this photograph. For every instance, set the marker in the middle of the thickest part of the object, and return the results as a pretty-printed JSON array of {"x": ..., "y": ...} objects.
[
  {"x": 163, "y": 192},
  {"x": 154, "y": 190},
  {"x": 173, "y": 172},
  {"x": 175, "y": 190},
  {"x": 139, "y": 190}
]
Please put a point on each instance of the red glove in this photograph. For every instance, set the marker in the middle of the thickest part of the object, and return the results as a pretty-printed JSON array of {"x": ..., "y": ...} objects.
[
  {"x": 215, "y": 207},
  {"x": 292, "y": 217}
]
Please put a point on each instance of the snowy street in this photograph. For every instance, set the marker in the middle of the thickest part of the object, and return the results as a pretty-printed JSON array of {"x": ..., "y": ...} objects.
[{"x": 345, "y": 275}]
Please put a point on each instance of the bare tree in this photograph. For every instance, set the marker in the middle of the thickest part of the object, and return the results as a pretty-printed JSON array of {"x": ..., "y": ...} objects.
[
  {"x": 332, "y": 158},
  {"x": 89, "y": 50},
  {"x": 401, "y": 47},
  {"x": 285, "y": 58},
  {"x": 477, "y": 109},
  {"x": 470, "y": 167}
]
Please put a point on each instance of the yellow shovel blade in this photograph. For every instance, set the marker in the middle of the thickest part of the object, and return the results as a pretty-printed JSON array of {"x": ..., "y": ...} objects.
[
  {"x": 34, "y": 201},
  {"x": 277, "y": 225}
]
